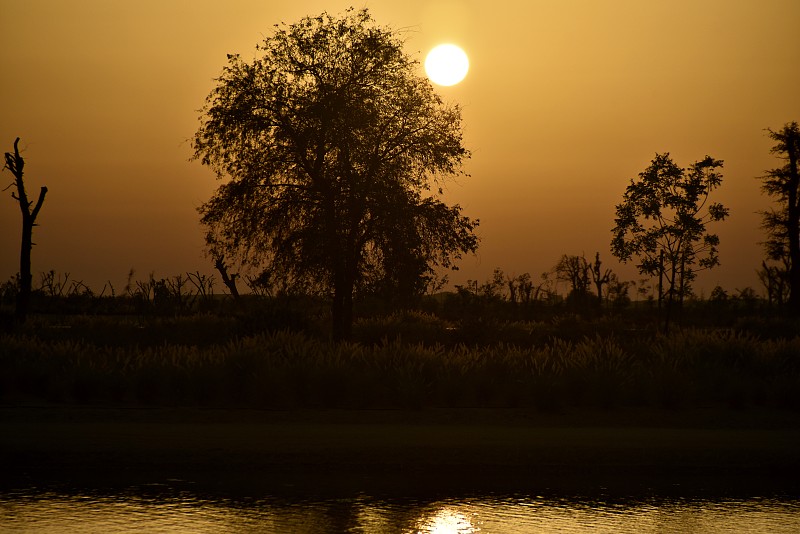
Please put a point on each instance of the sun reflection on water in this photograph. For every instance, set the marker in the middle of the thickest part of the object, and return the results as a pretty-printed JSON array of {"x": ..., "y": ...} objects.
[
  {"x": 446, "y": 521},
  {"x": 180, "y": 512}
]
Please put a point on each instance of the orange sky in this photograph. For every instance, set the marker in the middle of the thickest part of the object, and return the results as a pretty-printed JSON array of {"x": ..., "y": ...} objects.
[{"x": 564, "y": 103}]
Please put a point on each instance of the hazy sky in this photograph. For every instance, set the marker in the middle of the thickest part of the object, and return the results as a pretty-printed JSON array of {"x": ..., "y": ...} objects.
[{"x": 565, "y": 102}]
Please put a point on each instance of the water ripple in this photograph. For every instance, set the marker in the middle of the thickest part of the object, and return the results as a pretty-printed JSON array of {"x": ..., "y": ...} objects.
[{"x": 164, "y": 509}]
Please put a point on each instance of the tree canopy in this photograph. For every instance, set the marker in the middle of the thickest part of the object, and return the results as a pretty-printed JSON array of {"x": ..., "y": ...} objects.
[
  {"x": 662, "y": 221},
  {"x": 334, "y": 150}
]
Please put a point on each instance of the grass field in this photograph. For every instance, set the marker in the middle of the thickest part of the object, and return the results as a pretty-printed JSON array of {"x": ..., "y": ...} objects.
[{"x": 197, "y": 362}]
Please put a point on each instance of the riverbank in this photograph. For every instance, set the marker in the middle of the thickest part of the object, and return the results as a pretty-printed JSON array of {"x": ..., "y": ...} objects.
[{"x": 351, "y": 449}]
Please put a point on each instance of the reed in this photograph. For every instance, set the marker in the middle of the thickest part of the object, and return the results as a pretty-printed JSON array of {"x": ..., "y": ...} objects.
[{"x": 290, "y": 370}]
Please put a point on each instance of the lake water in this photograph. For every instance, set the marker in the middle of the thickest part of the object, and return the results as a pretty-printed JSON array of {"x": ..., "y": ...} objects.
[{"x": 175, "y": 507}]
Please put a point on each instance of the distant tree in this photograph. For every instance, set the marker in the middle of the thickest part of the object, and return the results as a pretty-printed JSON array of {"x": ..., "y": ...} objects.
[
  {"x": 546, "y": 290},
  {"x": 494, "y": 287},
  {"x": 203, "y": 286},
  {"x": 617, "y": 293},
  {"x": 524, "y": 288},
  {"x": 718, "y": 295},
  {"x": 574, "y": 270},
  {"x": 662, "y": 221},
  {"x": 513, "y": 289},
  {"x": 520, "y": 288},
  {"x": 782, "y": 224},
  {"x": 16, "y": 164},
  {"x": 335, "y": 148},
  {"x": 775, "y": 279},
  {"x": 747, "y": 297},
  {"x": 600, "y": 276}
]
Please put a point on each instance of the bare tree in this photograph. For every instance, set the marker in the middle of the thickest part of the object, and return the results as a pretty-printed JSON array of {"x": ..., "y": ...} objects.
[
  {"x": 513, "y": 289},
  {"x": 600, "y": 276},
  {"x": 16, "y": 164},
  {"x": 204, "y": 285},
  {"x": 524, "y": 288},
  {"x": 575, "y": 271}
]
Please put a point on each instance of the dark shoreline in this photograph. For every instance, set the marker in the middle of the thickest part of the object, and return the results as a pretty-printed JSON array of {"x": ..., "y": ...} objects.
[{"x": 394, "y": 450}]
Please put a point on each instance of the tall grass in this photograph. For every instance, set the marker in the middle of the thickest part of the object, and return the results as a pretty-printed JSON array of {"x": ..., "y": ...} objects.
[
  {"x": 289, "y": 370},
  {"x": 132, "y": 330}
]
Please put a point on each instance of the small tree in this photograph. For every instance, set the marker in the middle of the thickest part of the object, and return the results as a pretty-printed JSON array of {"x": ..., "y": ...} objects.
[
  {"x": 333, "y": 145},
  {"x": 617, "y": 293},
  {"x": 775, "y": 279},
  {"x": 524, "y": 288},
  {"x": 16, "y": 164},
  {"x": 662, "y": 221},
  {"x": 574, "y": 270},
  {"x": 600, "y": 276},
  {"x": 782, "y": 224},
  {"x": 495, "y": 286}
]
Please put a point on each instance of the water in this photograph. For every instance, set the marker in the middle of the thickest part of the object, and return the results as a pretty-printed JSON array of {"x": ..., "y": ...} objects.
[{"x": 175, "y": 507}]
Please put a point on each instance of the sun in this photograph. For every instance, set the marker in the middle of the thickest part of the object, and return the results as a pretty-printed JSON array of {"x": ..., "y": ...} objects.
[{"x": 446, "y": 64}]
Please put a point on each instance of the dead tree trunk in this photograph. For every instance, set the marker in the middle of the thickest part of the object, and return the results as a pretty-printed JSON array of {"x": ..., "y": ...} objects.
[
  {"x": 228, "y": 279},
  {"x": 600, "y": 279},
  {"x": 15, "y": 163}
]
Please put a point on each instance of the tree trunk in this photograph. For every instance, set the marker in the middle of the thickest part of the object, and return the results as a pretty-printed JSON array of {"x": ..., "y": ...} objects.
[
  {"x": 25, "y": 275},
  {"x": 670, "y": 295},
  {"x": 660, "y": 279},
  {"x": 227, "y": 279},
  {"x": 16, "y": 164},
  {"x": 342, "y": 307},
  {"x": 793, "y": 226},
  {"x": 598, "y": 279}
]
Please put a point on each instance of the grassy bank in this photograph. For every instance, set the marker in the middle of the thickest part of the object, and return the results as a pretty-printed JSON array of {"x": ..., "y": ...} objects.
[
  {"x": 417, "y": 400},
  {"x": 689, "y": 368},
  {"x": 398, "y": 450}
]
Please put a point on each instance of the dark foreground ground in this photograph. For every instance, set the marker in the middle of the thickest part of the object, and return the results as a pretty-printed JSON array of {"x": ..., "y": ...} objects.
[{"x": 401, "y": 451}]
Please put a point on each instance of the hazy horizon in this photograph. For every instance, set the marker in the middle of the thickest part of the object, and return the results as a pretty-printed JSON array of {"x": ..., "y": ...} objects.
[{"x": 564, "y": 103}]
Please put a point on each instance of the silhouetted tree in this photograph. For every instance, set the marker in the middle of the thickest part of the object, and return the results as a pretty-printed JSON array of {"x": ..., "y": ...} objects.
[
  {"x": 718, "y": 295},
  {"x": 513, "y": 289},
  {"x": 600, "y": 276},
  {"x": 783, "y": 224},
  {"x": 575, "y": 271},
  {"x": 16, "y": 164},
  {"x": 524, "y": 288},
  {"x": 617, "y": 293},
  {"x": 546, "y": 290},
  {"x": 334, "y": 147},
  {"x": 495, "y": 286},
  {"x": 662, "y": 221},
  {"x": 775, "y": 279},
  {"x": 229, "y": 279}
]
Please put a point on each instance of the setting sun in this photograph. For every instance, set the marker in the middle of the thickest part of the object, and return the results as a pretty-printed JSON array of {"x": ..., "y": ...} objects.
[{"x": 446, "y": 64}]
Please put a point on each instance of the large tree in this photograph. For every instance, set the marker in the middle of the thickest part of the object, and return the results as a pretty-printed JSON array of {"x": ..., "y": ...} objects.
[
  {"x": 782, "y": 224},
  {"x": 333, "y": 148},
  {"x": 662, "y": 220}
]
